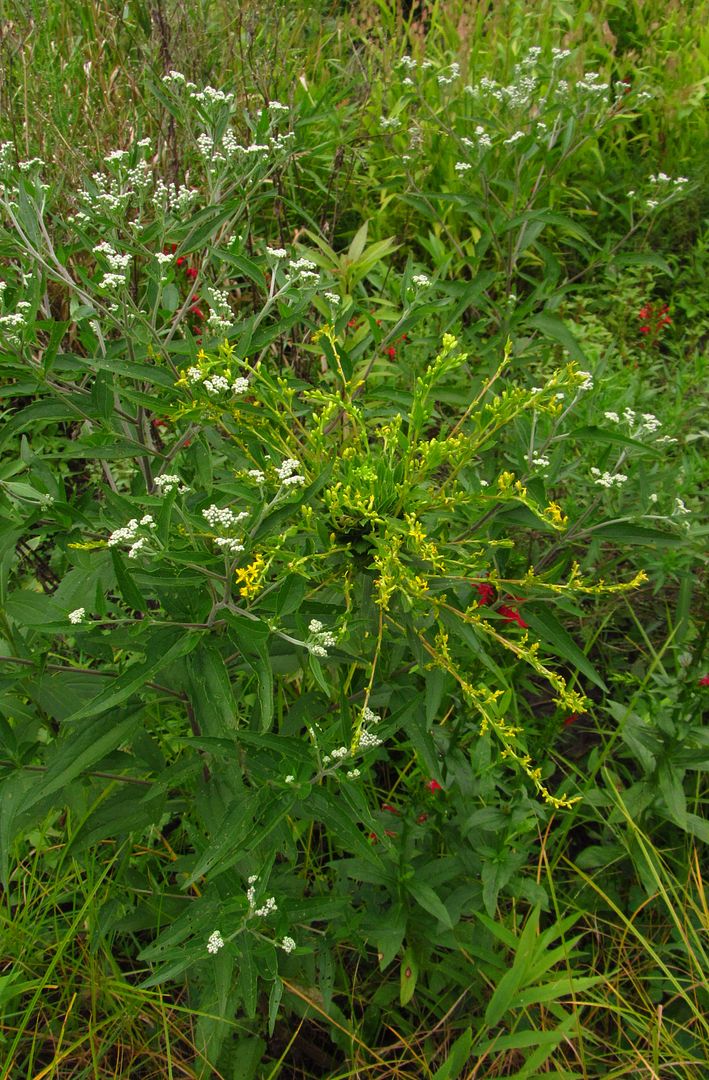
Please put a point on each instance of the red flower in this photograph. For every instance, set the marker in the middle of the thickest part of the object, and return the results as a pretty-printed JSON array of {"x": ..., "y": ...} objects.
[
  {"x": 197, "y": 312},
  {"x": 191, "y": 273},
  {"x": 486, "y": 593},
  {"x": 421, "y": 818},
  {"x": 704, "y": 681},
  {"x": 571, "y": 719},
  {"x": 389, "y": 832},
  {"x": 510, "y": 614},
  {"x": 644, "y": 329},
  {"x": 373, "y": 837},
  {"x": 433, "y": 786},
  {"x": 389, "y": 808},
  {"x": 181, "y": 261},
  {"x": 391, "y": 352}
]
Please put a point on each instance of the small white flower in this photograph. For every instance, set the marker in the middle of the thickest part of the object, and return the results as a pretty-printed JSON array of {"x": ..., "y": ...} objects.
[
  {"x": 462, "y": 166},
  {"x": 612, "y": 416},
  {"x": 680, "y": 508},
  {"x": 256, "y": 475},
  {"x": 332, "y": 298},
  {"x": 77, "y": 616},
  {"x": 215, "y": 942},
  {"x": 290, "y": 779},
  {"x": 352, "y": 774},
  {"x": 277, "y": 253},
  {"x": 137, "y": 547},
  {"x": 315, "y": 626},
  {"x": 287, "y": 944},
  {"x": 653, "y": 497},
  {"x": 240, "y": 385},
  {"x": 421, "y": 280}
]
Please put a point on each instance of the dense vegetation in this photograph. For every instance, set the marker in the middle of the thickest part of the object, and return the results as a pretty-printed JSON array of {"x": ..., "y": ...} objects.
[{"x": 351, "y": 541}]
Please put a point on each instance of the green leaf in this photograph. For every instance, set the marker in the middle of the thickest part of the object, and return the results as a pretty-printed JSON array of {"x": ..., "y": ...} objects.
[
  {"x": 543, "y": 622},
  {"x": 165, "y": 646},
  {"x": 458, "y": 1057},
  {"x": 555, "y": 328},
  {"x": 408, "y": 976},
  {"x": 624, "y": 533},
  {"x": 429, "y": 900}
]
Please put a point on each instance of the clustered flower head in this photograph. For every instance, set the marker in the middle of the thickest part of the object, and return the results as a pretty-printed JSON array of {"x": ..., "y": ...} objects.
[
  {"x": 77, "y": 616},
  {"x": 367, "y": 739},
  {"x": 607, "y": 479},
  {"x": 166, "y": 484},
  {"x": 269, "y": 904},
  {"x": 215, "y": 942},
  {"x": 322, "y": 640},
  {"x": 129, "y": 532},
  {"x": 287, "y": 472}
]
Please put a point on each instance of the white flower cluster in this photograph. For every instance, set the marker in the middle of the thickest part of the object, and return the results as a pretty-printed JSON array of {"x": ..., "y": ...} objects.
[
  {"x": 587, "y": 383},
  {"x": 322, "y": 639},
  {"x": 287, "y": 473},
  {"x": 608, "y": 480},
  {"x": 367, "y": 739},
  {"x": 277, "y": 253},
  {"x": 76, "y": 616},
  {"x": 216, "y": 384},
  {"x": 210, "y": 96},
  {"x": 338, "y": 754},
  {"x": 269, "y": 904},
  {"x": 221, "y": 317},
  {"x": 118, "y": 264},
  {"x": 515, "y": 137},
  {"x": 287, "y": 944},
  {"x": 129, "y": 532},
  {"x": 175, "y": 197},
  {"x": 215, "y": 942},
  {"x": 390, "y": 123},
  {"x": 303, "y": 270},
  {"x": 275, "y": 107},
  {"x": 257, "y": 475},
  {"x": 223, "y": 516},
  {"x": 540, "y": 461},
  {"x": 12, "y": 323},
  {"x": 462, "y": 166},
  {"x": 226, "y": 543},
  {"x": 648, "y": 422},
  {"x": 167, "y": 483},
  {"x": 449, "y": 77},
  {"x": 332, "y": 298},
  {"x": 680, "y": 508},
  {"x": 590, "y": 84}
]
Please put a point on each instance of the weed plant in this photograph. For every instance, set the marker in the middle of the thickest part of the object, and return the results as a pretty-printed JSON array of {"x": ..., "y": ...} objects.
[{"x": 351, "y": 542}]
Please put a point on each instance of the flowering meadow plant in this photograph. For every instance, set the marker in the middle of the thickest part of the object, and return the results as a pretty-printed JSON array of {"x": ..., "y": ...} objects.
[{"x": 309, "y": 544}]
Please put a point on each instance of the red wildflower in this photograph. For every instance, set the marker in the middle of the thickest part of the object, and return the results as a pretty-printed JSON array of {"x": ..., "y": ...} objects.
[
  {"x": 571, "y": 719},
  {"x": 373, "y": 837},
  {"x": 352, "y": 322},
  {"x": 389, "y": 808},
  {"x": 181, "y": 261},
  {"x": 704, "y": 681},
  {"x": 644, "y": 329},
  {"x": 433, "y": 786},
  {"x": 486, "y": 593},
  {"x": 197, "y": 312},
  {"x": 511, "y": 614},
  {"x": 421, "y": 818},
  {"x": 191, "y": 273},
  {"x": 391, "y": 352},
  {"x": 389, "y": 832}
]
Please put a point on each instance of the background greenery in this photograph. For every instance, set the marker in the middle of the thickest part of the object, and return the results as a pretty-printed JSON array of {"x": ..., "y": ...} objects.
[{"x": 449, "y": 919}]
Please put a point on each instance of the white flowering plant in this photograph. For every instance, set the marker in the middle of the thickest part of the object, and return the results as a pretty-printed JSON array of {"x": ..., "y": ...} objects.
[{"x": 313, "y": 564}]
